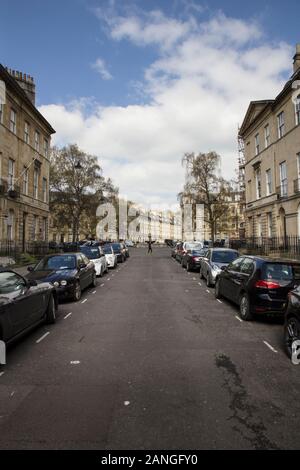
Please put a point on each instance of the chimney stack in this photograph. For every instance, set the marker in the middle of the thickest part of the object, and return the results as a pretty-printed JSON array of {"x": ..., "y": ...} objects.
[
  {"x": 25, "y": 81},
  {"x": 297, "y": 58}
]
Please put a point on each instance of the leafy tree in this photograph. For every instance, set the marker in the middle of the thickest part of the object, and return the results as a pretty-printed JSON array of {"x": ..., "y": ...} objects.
[{"x": 77, "y": 187}]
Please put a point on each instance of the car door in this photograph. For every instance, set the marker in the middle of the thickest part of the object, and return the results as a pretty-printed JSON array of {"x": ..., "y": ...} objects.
[
  {"x": 90, "y": 269},
  {"x": 241, "y": 278},
  {"x": 82, "y": 271},
  {"x": 24, "y": 306},
  {"x": 229, "y": 278}
]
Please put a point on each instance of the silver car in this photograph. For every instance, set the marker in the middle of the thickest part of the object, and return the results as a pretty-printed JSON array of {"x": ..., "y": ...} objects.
[
  {"x": 110, "y": 255},
  {"x": 213, "y": 262}
]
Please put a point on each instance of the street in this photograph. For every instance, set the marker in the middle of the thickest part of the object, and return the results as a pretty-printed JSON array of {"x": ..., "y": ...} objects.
[{"x": 149, "y": 359}]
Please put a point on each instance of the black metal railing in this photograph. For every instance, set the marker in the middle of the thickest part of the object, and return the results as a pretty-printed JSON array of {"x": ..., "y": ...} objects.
[
  {"x": 285, "y": 246},
  {"x": 282, "y": 190}
]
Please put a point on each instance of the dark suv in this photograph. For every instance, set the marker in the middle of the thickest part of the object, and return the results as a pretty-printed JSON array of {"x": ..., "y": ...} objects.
[{"x": 258, "y": 285}]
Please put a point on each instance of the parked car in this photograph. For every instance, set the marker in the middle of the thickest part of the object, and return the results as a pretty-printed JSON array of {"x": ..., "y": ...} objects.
[
  {"x": 110, "y": 255},
  {"x": 292, "y": 320},
  {"x": 213, "y": 261},
  {"x": 125, "y": 249},
  {"x": 258, "y": 285},
  {"x": 119, "y": 251},
  {"x": 174, "y": 250},
  {"x": 96, "y": 255},
  {"x": 70, "y": 273},
  {"x": 129, "y": 243},
  {"x": 24, "y": 304},
  {"x": 191, "y": 260},
  {"x": 179, "y": 252}
]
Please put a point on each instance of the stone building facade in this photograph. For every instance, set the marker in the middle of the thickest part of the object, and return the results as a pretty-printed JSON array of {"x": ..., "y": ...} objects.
[
  {"x": 271, "y": 135},
  {"x": 25, "y": 137}
]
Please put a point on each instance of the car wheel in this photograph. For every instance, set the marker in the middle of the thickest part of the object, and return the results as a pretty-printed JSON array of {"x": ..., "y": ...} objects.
[
  {"x": 182, "y": 263},
  {"x": 245, "y": 311},
  {"x": 51, "y": 311},
  {"x": 291, "y": 334},
  {"x": 94, "y": 280},
  {"x": 217, "y": 289},
  {"x": 101, "y": 272},
  {"x": 77, "y": 292},
  {"x": 188, "y": 267},
  {"x": 201, "y": 274}
]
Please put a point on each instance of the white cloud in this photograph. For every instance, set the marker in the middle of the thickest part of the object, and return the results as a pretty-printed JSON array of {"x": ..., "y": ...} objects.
[
  {"x": 200, "y": 86},
  {"x": 100, "y": 67}
]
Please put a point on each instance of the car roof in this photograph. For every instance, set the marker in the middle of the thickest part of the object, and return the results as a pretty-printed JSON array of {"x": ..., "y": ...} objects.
[
  {"x": 223, "y": 249},
  {"x": 266, "y": 259}
]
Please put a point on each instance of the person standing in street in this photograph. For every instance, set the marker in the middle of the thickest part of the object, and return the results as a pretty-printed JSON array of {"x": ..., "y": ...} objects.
[{"x": 150, "y": 246}]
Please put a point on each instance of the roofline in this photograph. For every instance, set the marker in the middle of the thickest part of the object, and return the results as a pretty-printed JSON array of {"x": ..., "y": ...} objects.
[
  {"x": 273, "y": 102},
  {"x": 21, "y": 93}
]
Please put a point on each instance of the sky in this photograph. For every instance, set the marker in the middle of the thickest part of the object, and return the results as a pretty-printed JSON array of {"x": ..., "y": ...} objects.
[{"x": 140, "y": 83}]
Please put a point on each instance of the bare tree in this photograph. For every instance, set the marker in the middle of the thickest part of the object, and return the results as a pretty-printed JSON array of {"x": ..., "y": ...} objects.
[{"x": 204, "y": 185}]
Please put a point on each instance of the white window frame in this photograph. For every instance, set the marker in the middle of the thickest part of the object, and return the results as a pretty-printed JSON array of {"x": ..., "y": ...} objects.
[
  {"x": 256, "y": 144},
  {"x": 26, "y": 132},
  {"x": 270, "y": 224},
  {"x": 37, "y": 141},
  {"x": 44, "y": 189},
  {"x": 269, "y": 182},
  {"x": 36, "y": 183},
  {"x": 11, "y": 173},
  {"x": 280, "y": 124},
  {"x": 283, "y": 178},
  {"x": 258, "y": 183},
  {"x": 13, "y": 121},
  {"x": 25, "y": 181},
  {"x": 267, "y": 135}
]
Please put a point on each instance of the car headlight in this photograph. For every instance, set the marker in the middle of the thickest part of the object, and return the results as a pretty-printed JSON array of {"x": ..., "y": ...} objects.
[
  {"x": 56, "y": 284},
  {"x": 63, "y": 283}
]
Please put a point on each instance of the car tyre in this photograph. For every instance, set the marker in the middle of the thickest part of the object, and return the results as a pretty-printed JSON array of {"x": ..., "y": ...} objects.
[
  {"x": 94, "y": 280},
  {"x": 77, "y": 292},
  {"x": 245, "y": 310},
  {"x": 217, "y": 289},
  {"x": 101, "y": 272},
  {"x": 201, "y": 274},
  {"x": 208, "y": 282},
  {"x": 188, "y": 267},
  {"x": 51, "y": 311},
  {"x": 291, "y": 334}
]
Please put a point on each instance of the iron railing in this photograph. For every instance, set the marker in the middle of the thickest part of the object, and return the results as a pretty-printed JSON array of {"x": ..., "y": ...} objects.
[{"x": 281, "y": 246}]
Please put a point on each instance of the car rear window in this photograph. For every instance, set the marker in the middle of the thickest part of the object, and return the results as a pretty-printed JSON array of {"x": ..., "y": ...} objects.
[
  {"x": 223, "y": 256},
  {"x": 281, "y": 271}
]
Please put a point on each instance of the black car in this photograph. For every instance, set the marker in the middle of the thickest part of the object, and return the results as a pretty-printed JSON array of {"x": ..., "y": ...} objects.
[
  {"x": 292, "y": 320},
  {"x": 70, "y": 273},
  {"x": 24, "y": 304},
  {"x": 119, "y": 251},
  {"x": 125, "y": 249},
  {"x": 191, "y": 260},
  {"x": 258, "y": 285}
]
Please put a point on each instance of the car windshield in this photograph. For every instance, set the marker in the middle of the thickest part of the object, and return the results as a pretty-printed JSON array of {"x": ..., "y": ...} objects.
[
  {"x": 57, "y": 263},
  {"x": 92, "y": 252},
  {"x": 223, "y": 256},
  {"x": 116, "y": 247},
  {"x": 107, "y": 249},
  {"x": 278, "y": 271}
]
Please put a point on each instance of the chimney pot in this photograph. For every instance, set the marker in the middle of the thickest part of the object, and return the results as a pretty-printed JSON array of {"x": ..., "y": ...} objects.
[{"x": 297, "y": 58}]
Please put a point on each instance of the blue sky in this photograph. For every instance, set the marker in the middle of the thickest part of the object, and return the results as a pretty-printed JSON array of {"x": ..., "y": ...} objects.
[{"x": 141, "y": 73}]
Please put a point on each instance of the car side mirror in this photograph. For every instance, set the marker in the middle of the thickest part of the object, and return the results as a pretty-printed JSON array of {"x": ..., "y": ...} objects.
[
  {"x": 32, "y": 283},
  {"x": 223, "y": 268},
  {"x": 30, "y": 268},
  {"x": 82, "y": 266}
]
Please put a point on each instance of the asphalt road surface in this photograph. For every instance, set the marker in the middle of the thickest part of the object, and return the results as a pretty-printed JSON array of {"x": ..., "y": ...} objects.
[{"x": 150, "y": 360}]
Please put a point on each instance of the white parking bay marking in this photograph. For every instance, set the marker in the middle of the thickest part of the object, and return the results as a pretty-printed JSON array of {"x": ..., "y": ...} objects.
[
  {"x": 2, "y": 373},
  {"x": 68, "y": 315},
  {"x": 43, "y": 337},
  {"x": 84, "y": 301},
  {"x": 102, "y": 285},
  {"x": 238, "y": 318},
  {"x": 220, "y": 301},
  {"x": 194, "y": 279},
  {"x": 270, "y": 347},
  {"x": 94, "y": 292},
  {"x": 208, "y": 291},
  {"x": 200, "y": 284},
  {"x": 108, "y": 279},
  {"x": 75, "y": 362}
]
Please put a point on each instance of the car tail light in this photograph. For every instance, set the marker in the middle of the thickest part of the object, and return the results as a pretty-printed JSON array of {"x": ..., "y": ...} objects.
[{"x": 267, "y": 284}]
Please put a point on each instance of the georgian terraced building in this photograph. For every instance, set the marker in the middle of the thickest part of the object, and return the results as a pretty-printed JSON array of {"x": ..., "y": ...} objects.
[
  {"x": 25, "y": 137},
  {"x": 271, "y": 135}
]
